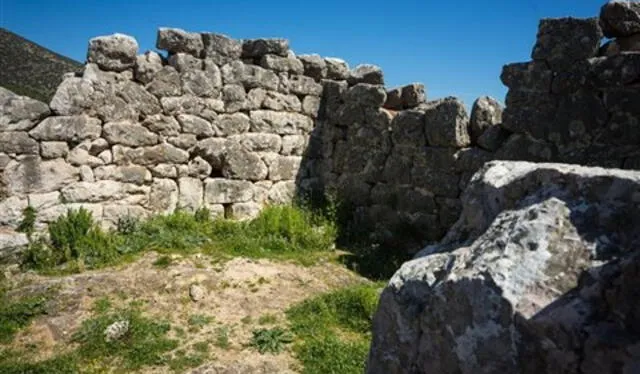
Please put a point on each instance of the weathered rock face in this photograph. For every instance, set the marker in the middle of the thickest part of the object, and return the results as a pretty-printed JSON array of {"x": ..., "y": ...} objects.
[{"x": 534, "y": 277}]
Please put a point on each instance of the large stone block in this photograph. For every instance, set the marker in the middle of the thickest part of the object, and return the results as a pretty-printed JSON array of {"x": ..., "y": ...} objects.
[
  {"x": 244, "y": 211},
  {"x": 485, "y": 113},
  {"x": 282, "y": 167},
  {"x": 224, "y": 191},
  {"x": 147, "y": 65},
  {"x": 207, "y": 108},
  {"x": 446, "y": 123},
  {"x": 615, "y": 71},
  {"x": 258, "y": 142},
  {"x": 71, "y": 129},
  {"x": 184, "y": 63},
  {"x": 250, "y": 76},
  {"x": 238, "y": 163},
  {"x": 303, "y": 85},
  {"x": 231, "y": 124},
  {"x": 158, "y": 154},
  {"x": 314, "y": 66},
  {"x": 407, "y": 129},
  {"x": 178, "y": 40},
  {"x": 370, "y": 74},
  {"x": 529, "y": 112},
  {"x": 20, "y": 113},
  {"x": 17, "y": 142},
  {"x": 282, "y": 192},
  {"x": 195, "y": 125},
  {"x": 11, "y": 210},
  {"x": 127, "y": 173},
  {"x": 562, "y": 41},
  {"x": 527, "y": 76},
  {"x": 32, "y": 175},
  {"x": 221, "y": 49},
  {"x": 282, "y": 123},
  {"x": 103, "y": 190},
  {"x": 256, "y": 48},
  {"x": 337, "y": 69},
  {"x": 620, "y": 18},
  {"x": 165, "y": 83},
  {"x": 162, "y": 125},
  {"x": 128, "y": 134},
  {"x": 201, "y": 84},
  {"x": 115, "y": 52},
  {"x": 212, "y": 150},
  {"x": 282, "y": 64},
  {"x": 191, "y": 194},
  {"x": 366, "y": 95},
  {"x": 281, "y": 102}
]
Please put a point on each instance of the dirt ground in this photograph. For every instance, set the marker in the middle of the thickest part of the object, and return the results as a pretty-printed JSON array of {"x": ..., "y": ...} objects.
[{"x": 237, "y": 293}]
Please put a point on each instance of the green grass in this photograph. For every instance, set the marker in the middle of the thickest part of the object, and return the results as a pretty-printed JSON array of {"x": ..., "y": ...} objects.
[
  {"x": 17, "y": 314},
  {"x": 333, "y": 330},
  {"x": 145, "y": 343},
  {"x": 222, "y": 337},
  {"x": 76, "y": 242}
]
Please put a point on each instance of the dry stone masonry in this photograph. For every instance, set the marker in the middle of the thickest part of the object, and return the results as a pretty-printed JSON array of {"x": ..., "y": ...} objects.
[{"x": 233, "y": 125}]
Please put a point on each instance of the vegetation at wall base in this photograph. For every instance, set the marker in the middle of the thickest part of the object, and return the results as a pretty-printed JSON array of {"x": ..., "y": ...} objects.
[{"x": 76, "y": 242}]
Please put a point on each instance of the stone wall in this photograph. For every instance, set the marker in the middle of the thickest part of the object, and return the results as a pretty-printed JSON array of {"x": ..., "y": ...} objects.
[
  {"x": 233, "y": 125},
  {"x": 404, "y": 161},
  {"x": 219, "y": 123}
]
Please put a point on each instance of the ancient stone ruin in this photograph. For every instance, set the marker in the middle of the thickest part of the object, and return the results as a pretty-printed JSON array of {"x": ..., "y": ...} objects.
[
  {"x": 233, "y": 125},
  {"x": 540, "y": 273}
]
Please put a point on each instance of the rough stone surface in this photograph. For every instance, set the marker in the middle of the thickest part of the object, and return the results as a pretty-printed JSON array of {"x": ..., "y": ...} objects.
[
  {"x": 562, "y": 41},
  {"x": 178, "y": 40},
  {"x": 370, "y": 74},
  {"x": 72, "y": 129},
  {"x": 446, "y": 123},
  {"x": 115, "y": 52},
  {"x": 485, "y": 113},
  {"x": 518, "y": 284},
  {"x": 257, "y": 48},
  {"x": 620, "y": 18}
]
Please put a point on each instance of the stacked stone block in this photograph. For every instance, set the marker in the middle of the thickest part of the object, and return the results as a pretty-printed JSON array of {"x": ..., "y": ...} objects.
[{"x": 577, "y": 102}]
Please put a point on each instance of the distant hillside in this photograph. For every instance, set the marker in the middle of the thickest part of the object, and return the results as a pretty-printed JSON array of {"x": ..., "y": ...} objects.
[{"x": 29, "y": 69}]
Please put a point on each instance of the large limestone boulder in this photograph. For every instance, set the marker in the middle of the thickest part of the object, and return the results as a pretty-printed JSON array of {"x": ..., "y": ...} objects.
[
  {"x": 115, "y": 52},
  {"x": 179, "y": 41},
  {"x": 19, "y": 113},
  {"x": 620, "y": 18},
  {"x": 537, "y": 276}
]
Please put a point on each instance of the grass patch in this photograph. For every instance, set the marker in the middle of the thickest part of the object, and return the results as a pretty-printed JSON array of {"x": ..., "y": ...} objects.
[
  {"x": 222, "y": 337},
  {"x": 267, "y": 319},
  {"x": 17, "y": 314},
  {"x": 198, "y": 321},
  {"x": 76, "y": 242},
  {"x": 333, "y": 330},
  {"x": 145, "y": 342}
]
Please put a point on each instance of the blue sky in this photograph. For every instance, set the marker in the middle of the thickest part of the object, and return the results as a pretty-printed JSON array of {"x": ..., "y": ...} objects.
[{"x": 455, "y": 48}]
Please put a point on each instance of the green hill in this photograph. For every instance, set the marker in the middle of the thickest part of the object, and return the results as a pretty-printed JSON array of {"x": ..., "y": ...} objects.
[{"x": 30, "y": 69}]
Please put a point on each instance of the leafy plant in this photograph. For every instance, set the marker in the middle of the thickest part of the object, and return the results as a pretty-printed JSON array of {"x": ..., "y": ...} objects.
[
  {"x": 127, "y": 225},
  {"x": 270, "y": 340},
  {"x": 28, "y": 223}
]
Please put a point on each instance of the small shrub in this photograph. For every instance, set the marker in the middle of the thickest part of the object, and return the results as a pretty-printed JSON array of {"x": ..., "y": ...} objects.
[
  {"x": 28, "y": 223},
  {"x": 270, "y": 340},
  {"x": 67, "y": 231},
  {"x": 203, "y": 214}
]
